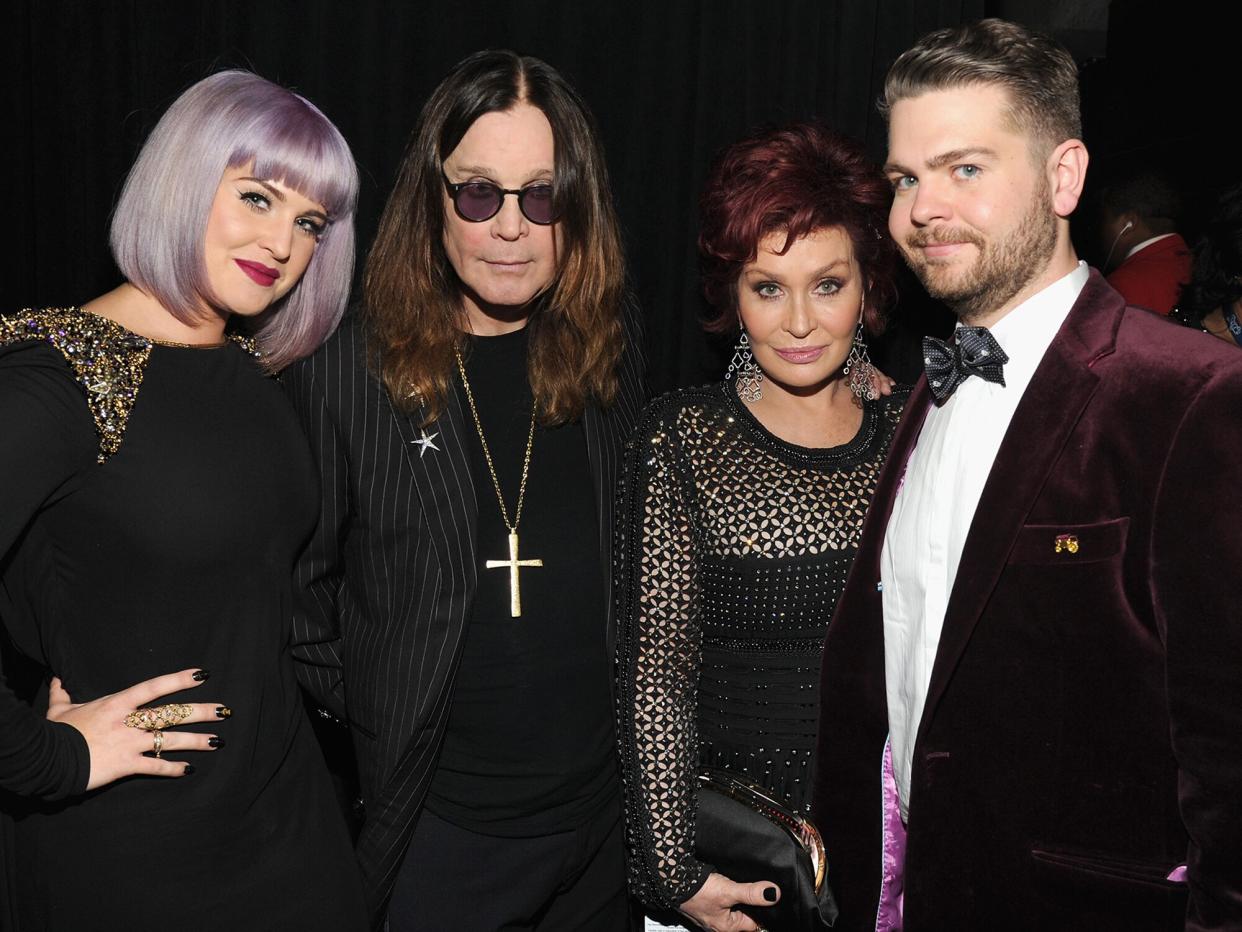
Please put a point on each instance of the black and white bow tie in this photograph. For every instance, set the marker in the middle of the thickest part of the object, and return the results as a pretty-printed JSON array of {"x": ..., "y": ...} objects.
[{"x": 973, "y": 351}]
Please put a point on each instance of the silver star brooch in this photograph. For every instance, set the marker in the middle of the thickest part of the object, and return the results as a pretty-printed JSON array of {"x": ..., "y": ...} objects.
[{"x": 425, "y": 442}]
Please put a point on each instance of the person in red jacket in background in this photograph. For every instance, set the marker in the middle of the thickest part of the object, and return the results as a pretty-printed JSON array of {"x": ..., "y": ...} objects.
[{"x": 1141, "y": 210}]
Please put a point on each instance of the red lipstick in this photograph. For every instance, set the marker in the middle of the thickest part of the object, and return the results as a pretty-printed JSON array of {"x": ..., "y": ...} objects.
[{"x": 259, "y": 273}]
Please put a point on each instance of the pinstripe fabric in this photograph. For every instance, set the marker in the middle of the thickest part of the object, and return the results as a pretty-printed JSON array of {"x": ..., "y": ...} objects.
[{"x": 385, "y": 586}]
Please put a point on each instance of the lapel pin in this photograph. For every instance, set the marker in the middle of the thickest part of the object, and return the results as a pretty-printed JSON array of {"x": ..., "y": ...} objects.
[
  {"x": 1067, "y": 542},
  {"x": 425, "y": 442}
]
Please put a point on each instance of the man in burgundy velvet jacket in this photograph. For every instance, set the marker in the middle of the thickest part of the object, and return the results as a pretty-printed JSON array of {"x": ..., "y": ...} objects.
[{"x": 1032, "y": 688}]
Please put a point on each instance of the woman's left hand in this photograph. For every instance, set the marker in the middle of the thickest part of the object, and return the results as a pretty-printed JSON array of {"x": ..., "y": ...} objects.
[
  {"x": 118, "y": 749},
  {"x": 881, "y": 382},
  {"x": 713, "y": 907}
]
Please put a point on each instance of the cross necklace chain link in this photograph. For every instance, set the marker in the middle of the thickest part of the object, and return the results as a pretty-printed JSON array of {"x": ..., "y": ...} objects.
[{"x": 513, "y": 564}]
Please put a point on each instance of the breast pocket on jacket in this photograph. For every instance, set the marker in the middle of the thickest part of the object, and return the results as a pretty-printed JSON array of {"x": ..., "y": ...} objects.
[{"x": 1069, "y": 544}]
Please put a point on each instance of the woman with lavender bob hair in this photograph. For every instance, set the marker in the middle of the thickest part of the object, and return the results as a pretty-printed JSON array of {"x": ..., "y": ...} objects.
[
  {"x": 228, "y": 121},
  {"x": 156, "y": 491}
]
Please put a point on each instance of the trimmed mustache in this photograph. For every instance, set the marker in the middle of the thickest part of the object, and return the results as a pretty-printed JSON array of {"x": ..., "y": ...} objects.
[{"x": 942, "y": 236}]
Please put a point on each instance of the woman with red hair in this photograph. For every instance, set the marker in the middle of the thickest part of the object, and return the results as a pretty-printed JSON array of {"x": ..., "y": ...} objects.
[{"x": 743, "y": 503}]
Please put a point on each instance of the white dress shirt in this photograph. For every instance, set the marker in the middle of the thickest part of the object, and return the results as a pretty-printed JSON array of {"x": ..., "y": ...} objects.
[{"x": 936, "y": 503}]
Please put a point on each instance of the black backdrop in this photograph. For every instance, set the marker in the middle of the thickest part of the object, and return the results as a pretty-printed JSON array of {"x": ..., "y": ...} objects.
[
  {"x": 84, "y": 82},
  {"x": 670, "y": 83}
]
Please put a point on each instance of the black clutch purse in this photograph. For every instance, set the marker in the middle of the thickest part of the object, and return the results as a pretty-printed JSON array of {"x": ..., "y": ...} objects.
[{"x": 747, "y": 836}]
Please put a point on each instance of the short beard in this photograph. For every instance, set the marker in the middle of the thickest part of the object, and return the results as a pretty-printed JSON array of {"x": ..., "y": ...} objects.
[{"x": 1004, "y": 267}]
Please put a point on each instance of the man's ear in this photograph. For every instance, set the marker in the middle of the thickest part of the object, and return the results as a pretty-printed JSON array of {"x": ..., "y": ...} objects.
[{"x": 1067, "y": 172}]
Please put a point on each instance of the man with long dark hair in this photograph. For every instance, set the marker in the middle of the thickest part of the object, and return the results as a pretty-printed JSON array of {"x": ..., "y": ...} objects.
[{"x": 454, "y": 603}]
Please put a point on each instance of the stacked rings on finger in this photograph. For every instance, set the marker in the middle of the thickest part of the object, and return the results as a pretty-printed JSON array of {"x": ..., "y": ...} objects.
[
  {"x": 157, "y": 738},
  {"x": 161, "y": 716}
]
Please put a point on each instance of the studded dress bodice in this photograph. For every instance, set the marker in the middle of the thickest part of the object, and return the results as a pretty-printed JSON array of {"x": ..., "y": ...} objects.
[{"x": 733, "y": 549}]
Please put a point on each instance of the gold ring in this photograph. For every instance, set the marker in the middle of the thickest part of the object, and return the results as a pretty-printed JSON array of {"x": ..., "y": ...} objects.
[
  {"x": 162, "y": 716},
  {"x": 157, "y": 737}
]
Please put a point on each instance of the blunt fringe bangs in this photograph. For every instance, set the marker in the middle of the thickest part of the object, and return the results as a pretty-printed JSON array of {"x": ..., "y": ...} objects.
[
  {"x": 227, "y": 120},
  {"x": 411, "y": 296},
  {"x": 1038, "y": 74},
  {"x": 793, "y": 179}
]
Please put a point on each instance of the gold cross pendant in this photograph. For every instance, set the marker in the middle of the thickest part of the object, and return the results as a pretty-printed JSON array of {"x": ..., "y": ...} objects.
[{"x": 515, "y": 594}]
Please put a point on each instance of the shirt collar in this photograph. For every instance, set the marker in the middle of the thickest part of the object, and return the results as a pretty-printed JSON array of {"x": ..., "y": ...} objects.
[{"x": 1026, "y": 332}]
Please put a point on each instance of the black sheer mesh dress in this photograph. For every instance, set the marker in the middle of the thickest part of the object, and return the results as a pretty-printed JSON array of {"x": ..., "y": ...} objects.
[{"x": 733, "y": 549}]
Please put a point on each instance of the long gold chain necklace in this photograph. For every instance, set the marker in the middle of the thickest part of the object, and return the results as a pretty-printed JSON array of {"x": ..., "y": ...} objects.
[{"x": 513, "y": 563}]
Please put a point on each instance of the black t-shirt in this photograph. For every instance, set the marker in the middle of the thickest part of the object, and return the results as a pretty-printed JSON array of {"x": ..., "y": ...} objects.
[{"x": 529, "y": 748}]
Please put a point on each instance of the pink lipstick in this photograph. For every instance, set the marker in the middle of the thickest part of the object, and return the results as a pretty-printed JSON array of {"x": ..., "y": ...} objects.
[
  {"x": 801, "y": 355},
  {"x": 259, "y": 273}
]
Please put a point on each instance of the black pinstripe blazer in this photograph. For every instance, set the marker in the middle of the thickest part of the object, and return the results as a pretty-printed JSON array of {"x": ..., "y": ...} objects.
[{"x": 384, "y": 589}]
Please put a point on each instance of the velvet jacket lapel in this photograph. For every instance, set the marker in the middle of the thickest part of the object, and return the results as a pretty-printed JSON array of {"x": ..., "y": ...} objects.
[{"x": 1050, "y": 408}]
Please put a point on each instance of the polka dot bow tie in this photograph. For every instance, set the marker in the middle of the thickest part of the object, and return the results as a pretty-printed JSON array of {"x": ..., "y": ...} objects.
[{"x": 973, "y": 351}]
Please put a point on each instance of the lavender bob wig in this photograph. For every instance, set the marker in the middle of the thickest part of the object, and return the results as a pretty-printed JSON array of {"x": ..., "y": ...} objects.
[{"x": 224, "y": 121}]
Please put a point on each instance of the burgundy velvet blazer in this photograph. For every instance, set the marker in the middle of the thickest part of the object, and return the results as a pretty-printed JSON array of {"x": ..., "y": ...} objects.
[{"x": 1082, "y": 735}]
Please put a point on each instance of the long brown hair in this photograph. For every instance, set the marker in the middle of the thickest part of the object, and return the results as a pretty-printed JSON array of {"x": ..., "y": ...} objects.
[{"x": 412, "y": 301}]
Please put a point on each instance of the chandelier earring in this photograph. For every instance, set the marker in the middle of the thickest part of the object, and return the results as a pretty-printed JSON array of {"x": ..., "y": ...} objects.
[
  {"x": 743, "y": 366},
  {"x": 858, "y": 370}
]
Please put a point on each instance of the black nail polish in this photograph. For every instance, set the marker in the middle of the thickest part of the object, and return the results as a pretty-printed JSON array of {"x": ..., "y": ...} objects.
[
  {"x": 189, "y": 769},
  {"x": 200, "y": 675},
  {"x": 769, "y": 894},
  {"x": 215, "y": 742},
  {"x": 223, "y": 711}
]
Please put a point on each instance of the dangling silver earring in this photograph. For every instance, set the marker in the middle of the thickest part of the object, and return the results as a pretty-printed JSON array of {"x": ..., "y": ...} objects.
[
  {"x": 749, "y": 375},
  {"x": 858, "y": 369}
]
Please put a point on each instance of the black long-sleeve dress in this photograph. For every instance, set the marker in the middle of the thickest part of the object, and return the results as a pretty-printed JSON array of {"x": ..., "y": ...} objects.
[
  {"x": 734, "y": 547},
  {"x": 152, "y": 502}
]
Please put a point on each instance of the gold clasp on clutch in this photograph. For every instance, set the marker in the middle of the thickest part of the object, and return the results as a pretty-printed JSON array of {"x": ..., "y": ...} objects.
[{"x": 1067, "y": 542}]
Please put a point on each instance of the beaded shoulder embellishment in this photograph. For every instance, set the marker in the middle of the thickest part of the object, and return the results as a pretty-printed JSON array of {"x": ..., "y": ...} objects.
[
  {"x": 249, "y": 344},
  {"x": 107, "y": 360}
]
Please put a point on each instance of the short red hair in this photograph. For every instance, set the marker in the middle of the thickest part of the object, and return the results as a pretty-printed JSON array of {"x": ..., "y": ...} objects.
[{"x": 794, "y": 179}]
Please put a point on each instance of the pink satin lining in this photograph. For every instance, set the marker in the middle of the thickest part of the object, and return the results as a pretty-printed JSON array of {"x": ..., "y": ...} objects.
[{"x": 888, "y": 917}]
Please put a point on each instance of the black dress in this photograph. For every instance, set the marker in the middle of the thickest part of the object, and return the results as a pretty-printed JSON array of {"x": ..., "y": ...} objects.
[
  {"x": 734, "y": 549},
  {"x": 152, "y": 502}
]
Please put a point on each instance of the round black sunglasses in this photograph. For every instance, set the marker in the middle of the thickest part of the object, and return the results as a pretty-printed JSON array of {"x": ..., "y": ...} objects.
[{"x": 477, "y": 201}]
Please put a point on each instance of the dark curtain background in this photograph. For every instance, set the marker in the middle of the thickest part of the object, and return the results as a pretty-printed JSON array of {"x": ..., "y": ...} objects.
[
  {"x": 670, "y": 83},
  {"x": 1162, "y": 97}
]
